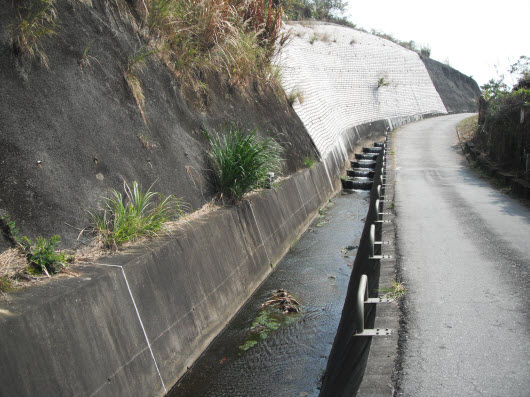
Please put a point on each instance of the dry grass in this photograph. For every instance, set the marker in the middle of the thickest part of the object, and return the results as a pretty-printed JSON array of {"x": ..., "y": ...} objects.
[
  {"x": 294, "y": 95},
  {"x": 35, "y": 23},
  {"x": 137, "y": 92},
  {"x": 195, "y": 38},
  {"x": 14, "y": 274},
  {"x": 467, "y": 128}
]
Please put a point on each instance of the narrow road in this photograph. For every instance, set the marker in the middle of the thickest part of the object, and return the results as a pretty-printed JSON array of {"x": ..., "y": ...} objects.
[{"x": 464, "y": 251}]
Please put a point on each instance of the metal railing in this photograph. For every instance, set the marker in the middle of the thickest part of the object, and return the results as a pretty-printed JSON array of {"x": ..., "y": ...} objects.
[{"x": 362, "y": 299}]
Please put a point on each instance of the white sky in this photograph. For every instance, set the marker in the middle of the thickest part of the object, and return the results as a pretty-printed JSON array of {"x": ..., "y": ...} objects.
[{"x": 472, "y": 35}]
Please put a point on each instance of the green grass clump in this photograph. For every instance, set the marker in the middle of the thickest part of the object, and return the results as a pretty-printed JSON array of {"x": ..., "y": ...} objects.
[
  {"x": 43, "y": 255},
  {"x": 394, "y": 292},
  {"x": 241, "y": 163},
  {"x": 6, "y": 284},
  {"x": 127, "y": 217},
  {"x": 381, "y": 82},
  {"x": 36, "y": 22},
  {"x": 309, "y": 161}
]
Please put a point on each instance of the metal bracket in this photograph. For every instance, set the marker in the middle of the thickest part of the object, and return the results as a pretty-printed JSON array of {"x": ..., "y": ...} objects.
[
  {"x": 380, "y": 257},
  {"x": 378, "y": 300},
  {"x": 375, "y": 332}
]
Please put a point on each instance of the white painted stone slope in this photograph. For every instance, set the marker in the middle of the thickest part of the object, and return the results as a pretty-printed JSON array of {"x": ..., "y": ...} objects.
[{"x": 338, "y": 75}]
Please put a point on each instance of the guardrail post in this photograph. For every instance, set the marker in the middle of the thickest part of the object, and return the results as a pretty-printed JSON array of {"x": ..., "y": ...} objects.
[
  {"x": 376, "y": 207},
  {"x": 362, "y": 295},
  {"x": 372, "y": 241},
  {"x": 362, "y": 298}
]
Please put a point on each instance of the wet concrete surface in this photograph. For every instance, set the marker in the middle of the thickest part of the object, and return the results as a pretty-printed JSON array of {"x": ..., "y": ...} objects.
[
  {"x": 292, "y": 359},
  {"x": 464, "y": 257}
]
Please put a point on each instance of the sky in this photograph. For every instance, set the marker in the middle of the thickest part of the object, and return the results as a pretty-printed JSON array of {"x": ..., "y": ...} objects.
[{"x": 472, "y": 36}]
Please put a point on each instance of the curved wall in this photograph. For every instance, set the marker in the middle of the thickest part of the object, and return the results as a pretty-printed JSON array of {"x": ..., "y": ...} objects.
[{"x": 337, "y": 70}]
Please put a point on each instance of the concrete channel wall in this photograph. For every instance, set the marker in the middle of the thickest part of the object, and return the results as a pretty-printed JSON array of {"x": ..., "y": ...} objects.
[
  {"x": 349, "y": 354},
  {"x": 131, "y": 325}
]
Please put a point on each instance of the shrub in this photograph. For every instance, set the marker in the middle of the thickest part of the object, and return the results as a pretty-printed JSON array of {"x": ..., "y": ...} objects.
[
  {"x": 502, "y": 126},
  {"x": 241, "y": 163},
  {"x": 309, "y": 161},
  {"x": 500, "y": 130},
  {"x": 381, "y": 82},
  {"x": 42, "y": 254},
  {"x": 294, "y": 95},
  {"x": 425, "y": 51},
  {"x": 133, "y": 215},
  {"x": 34, "y": 24}
]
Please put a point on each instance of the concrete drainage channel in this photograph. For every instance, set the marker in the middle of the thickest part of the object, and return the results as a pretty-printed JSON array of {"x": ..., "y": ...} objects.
[
  {"x": 361, "y": 173},
  {"x": 363, "y": 356},
  {"x": 288, "y": 355}
]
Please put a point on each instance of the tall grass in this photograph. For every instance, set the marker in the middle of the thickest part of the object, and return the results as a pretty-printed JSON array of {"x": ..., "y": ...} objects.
[
  {"x": 127, "y": 217},
  {"x": 135, "y": 64},
  {"x": 237, "y": 38},
  {"x": 241, "y": 163},
  {"x": 35, "y": 22}
]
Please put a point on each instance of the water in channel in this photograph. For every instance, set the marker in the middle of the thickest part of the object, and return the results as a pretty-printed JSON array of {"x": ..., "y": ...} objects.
[{"x": 263, "y": 352}]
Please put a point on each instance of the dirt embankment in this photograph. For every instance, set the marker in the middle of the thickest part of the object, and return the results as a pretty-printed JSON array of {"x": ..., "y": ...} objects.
[
  {"x": 459, "y": 92},
  {"x": 70, "y": 133}
]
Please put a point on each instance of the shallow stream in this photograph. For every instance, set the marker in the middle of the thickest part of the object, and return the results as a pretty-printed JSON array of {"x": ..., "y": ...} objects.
[{"x": 263, "y": 352}]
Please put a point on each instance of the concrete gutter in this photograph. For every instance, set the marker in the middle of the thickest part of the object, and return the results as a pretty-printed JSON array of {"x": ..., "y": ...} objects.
[
  {"x": 132, "y": 324},
  {"x": 378, "y": 374}
]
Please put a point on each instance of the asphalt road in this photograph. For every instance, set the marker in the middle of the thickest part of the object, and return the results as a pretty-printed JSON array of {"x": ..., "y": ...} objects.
[{"x": 464, "y": 255}]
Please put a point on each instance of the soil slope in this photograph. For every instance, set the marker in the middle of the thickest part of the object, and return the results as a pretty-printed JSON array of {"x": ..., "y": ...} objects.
[
  {"x": 459, "y": 92},
  {"x": 70, "y": 133}
]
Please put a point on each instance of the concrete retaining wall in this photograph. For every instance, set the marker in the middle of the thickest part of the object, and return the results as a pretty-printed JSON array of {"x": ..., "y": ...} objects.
[
  {"x": 132, "y": 324},
  {"x": 337, "y": 70}
]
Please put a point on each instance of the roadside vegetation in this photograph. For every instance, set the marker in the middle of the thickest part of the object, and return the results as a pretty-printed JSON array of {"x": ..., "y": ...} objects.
[
  {"x": 27, "y": 259},
  {"x": 333, "y": 11},
  {"x": 135, "y": 214},
  {"x": 234, "y": 38},
  {"x": 395, "y": 292},
  {"x": 467, "y": 128},
  {"x": 241, "y": 163},
  {"x": 503, "y": 131},
  {"x": 320, "y": 10},
  {"x": 35, "y": 23},
  {"x": 423, "y": 50}
]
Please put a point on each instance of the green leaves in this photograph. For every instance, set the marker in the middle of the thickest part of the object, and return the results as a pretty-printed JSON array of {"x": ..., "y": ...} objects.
[
  {"x": 127, "y": 217},
  {"x": 42, "y": 254},
  {"x": 241, "y": 163}
]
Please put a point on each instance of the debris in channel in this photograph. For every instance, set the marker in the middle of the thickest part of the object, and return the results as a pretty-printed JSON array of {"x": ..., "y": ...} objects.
[
  {"x": 280, "y": 310},
  {"x": 283, "y": 301}
]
